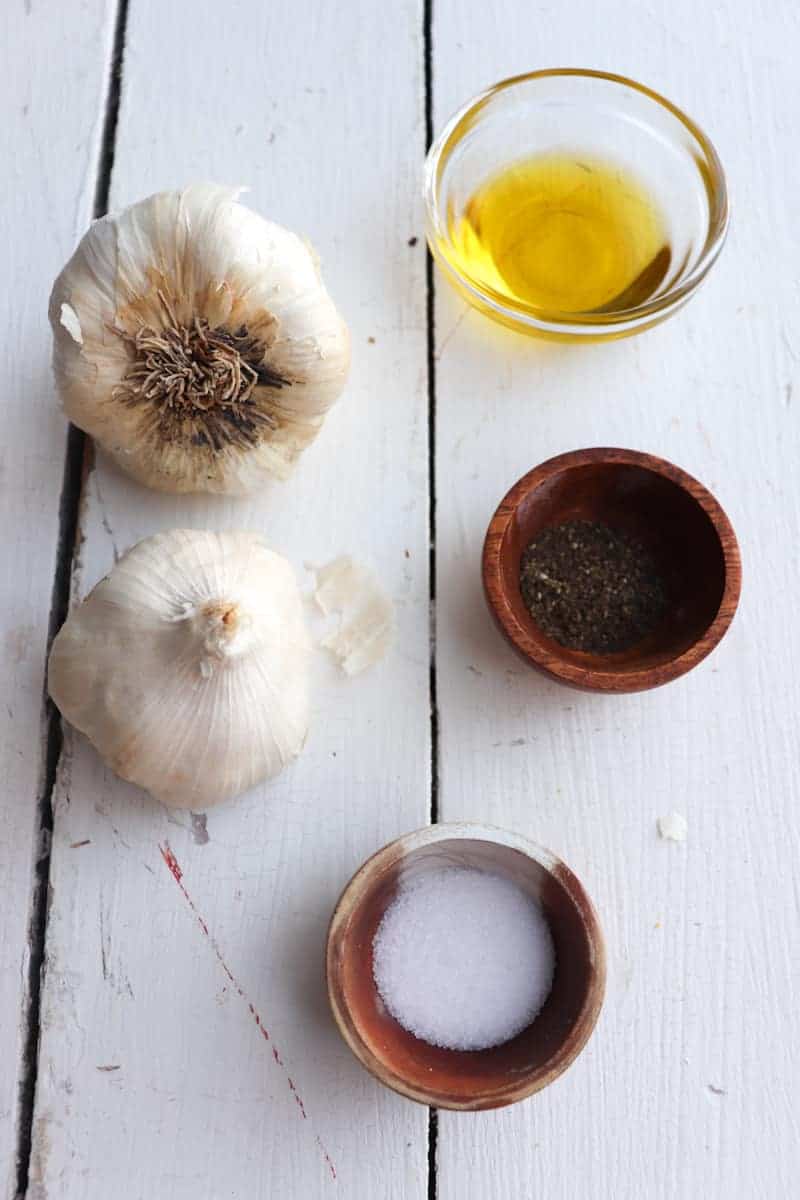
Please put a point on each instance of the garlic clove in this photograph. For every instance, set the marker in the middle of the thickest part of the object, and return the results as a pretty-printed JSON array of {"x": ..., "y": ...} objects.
[
  {"x": 188, "y": 666},
  {"x": 209, "y": 349}
]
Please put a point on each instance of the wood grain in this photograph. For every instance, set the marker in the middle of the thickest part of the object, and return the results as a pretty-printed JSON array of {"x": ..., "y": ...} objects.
[
  {"x": 187, "y": 1048},
  {"x": 163, "y": 948},
  {"x": 50, "y": 153},
  {"x": 688, "y": 1087}
]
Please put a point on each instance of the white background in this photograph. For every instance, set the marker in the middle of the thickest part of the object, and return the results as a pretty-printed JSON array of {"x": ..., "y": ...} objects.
[{"x": 687, "y": 1089}]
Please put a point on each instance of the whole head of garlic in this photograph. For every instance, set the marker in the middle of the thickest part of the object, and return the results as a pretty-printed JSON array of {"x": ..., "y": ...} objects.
[
  {"x": 195, "y": 341},
  {"x": 187, "y": 666}
]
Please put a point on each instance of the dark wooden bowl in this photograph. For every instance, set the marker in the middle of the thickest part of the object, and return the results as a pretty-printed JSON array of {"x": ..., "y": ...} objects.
[
  {"x": 457, "y": 1079},
  {"x": 672, "y": 514}
]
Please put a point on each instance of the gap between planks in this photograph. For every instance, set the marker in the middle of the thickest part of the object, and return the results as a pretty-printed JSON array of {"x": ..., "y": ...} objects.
[
  {"x": 52, "y": 739},
  {"x": 430, "y": 313}
]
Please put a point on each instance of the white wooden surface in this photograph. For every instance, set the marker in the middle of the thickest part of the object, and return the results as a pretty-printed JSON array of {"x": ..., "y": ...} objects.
[
  {"x": 154, "y": 1079},
  {"x": 689, "y": 1088},
  {"x": 53, "y": 83}
]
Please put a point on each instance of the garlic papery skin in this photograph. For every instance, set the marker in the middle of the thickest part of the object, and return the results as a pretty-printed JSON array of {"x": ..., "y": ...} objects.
[
  {"x": 196, "y": 342},
  {"x": 366, "y": 626},
  {"x": 188, "y": 666}
]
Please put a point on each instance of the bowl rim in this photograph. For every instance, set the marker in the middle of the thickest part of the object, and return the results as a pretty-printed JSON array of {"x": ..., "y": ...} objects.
[
  {"x": 585, "y": 1021},
  {"x": 554, "y": 320},
  {"x": 595, "y": 678}
]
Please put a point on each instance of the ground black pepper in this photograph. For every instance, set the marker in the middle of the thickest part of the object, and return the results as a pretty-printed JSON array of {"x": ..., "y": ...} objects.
[{"x": 591, "y": 588}]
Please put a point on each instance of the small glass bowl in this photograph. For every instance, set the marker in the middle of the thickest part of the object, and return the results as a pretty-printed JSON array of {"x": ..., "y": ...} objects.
[{"x": 610, "y": 118}]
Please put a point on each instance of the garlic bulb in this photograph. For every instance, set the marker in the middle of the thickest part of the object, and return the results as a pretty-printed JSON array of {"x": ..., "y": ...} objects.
[
  {"x": 195, "y": 341},
  {"x": 187, "y": 666}
]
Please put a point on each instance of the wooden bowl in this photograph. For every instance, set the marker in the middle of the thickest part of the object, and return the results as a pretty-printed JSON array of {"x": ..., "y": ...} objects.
[
  {"x": 457, "y": 1079},
  {"x": 674, "y": 516}
]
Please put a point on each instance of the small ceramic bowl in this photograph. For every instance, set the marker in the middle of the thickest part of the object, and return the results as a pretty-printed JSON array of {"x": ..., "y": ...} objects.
[
  {"x": 602, "y": 116},
  {"x": 674, "y": 516},
  {"x": 467, "y": 1080}
]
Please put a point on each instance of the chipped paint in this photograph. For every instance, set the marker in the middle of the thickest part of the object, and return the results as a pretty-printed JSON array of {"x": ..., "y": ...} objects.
[{"x": 199, "y": 828}]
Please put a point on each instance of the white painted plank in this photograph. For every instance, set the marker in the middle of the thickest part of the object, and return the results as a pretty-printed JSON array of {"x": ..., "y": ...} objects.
[
  {"x": 688, "y": 1088},
  {"x": 154, "y": 1078},
  {"x": 49, "y": 154}
]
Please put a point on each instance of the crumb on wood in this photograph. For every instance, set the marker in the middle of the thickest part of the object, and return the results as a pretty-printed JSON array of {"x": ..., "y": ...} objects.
[{"x": 673, "y": 827}]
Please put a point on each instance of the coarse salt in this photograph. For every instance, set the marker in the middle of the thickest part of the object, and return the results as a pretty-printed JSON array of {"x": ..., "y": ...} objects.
[{"x": 463, "y": 959}]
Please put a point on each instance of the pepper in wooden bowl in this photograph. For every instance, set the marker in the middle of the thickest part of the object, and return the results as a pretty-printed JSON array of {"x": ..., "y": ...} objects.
[{"x": 611, "y": 570}]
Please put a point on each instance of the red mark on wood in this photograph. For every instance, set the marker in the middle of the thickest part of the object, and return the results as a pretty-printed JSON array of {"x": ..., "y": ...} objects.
[
  {"x": 172, "y": 862},
  {"x": 177, "y": 874},
  {"x": 297, "y": 1097},
  {"x": 327, "y": 1158}
]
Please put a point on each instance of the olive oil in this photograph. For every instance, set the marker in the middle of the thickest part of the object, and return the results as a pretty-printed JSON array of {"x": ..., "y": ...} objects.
[{"x": 563, "y": 233}]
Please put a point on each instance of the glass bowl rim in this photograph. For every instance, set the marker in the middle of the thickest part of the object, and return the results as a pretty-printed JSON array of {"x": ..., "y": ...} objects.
[{"x": 518, "y": 311}]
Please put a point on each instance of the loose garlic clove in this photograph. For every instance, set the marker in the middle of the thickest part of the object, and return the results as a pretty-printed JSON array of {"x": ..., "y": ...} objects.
[
  {"x": 195, "y": 341},
  {"x": 188, "y": 666}
]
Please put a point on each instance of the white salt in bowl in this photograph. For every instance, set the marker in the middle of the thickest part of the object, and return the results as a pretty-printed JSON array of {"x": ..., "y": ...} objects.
[{"x": 466, "y": 1079}]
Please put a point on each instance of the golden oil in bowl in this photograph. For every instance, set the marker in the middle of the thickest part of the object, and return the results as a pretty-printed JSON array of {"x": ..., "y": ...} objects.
[
  {"x": 574, "y": 205},
  {"x": 561, "y": 232}
]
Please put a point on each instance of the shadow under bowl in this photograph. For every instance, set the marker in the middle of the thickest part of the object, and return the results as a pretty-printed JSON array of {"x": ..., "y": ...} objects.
[
  {"x": 456, "y": 1079},
  {"x": 677, "y": 520}
]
